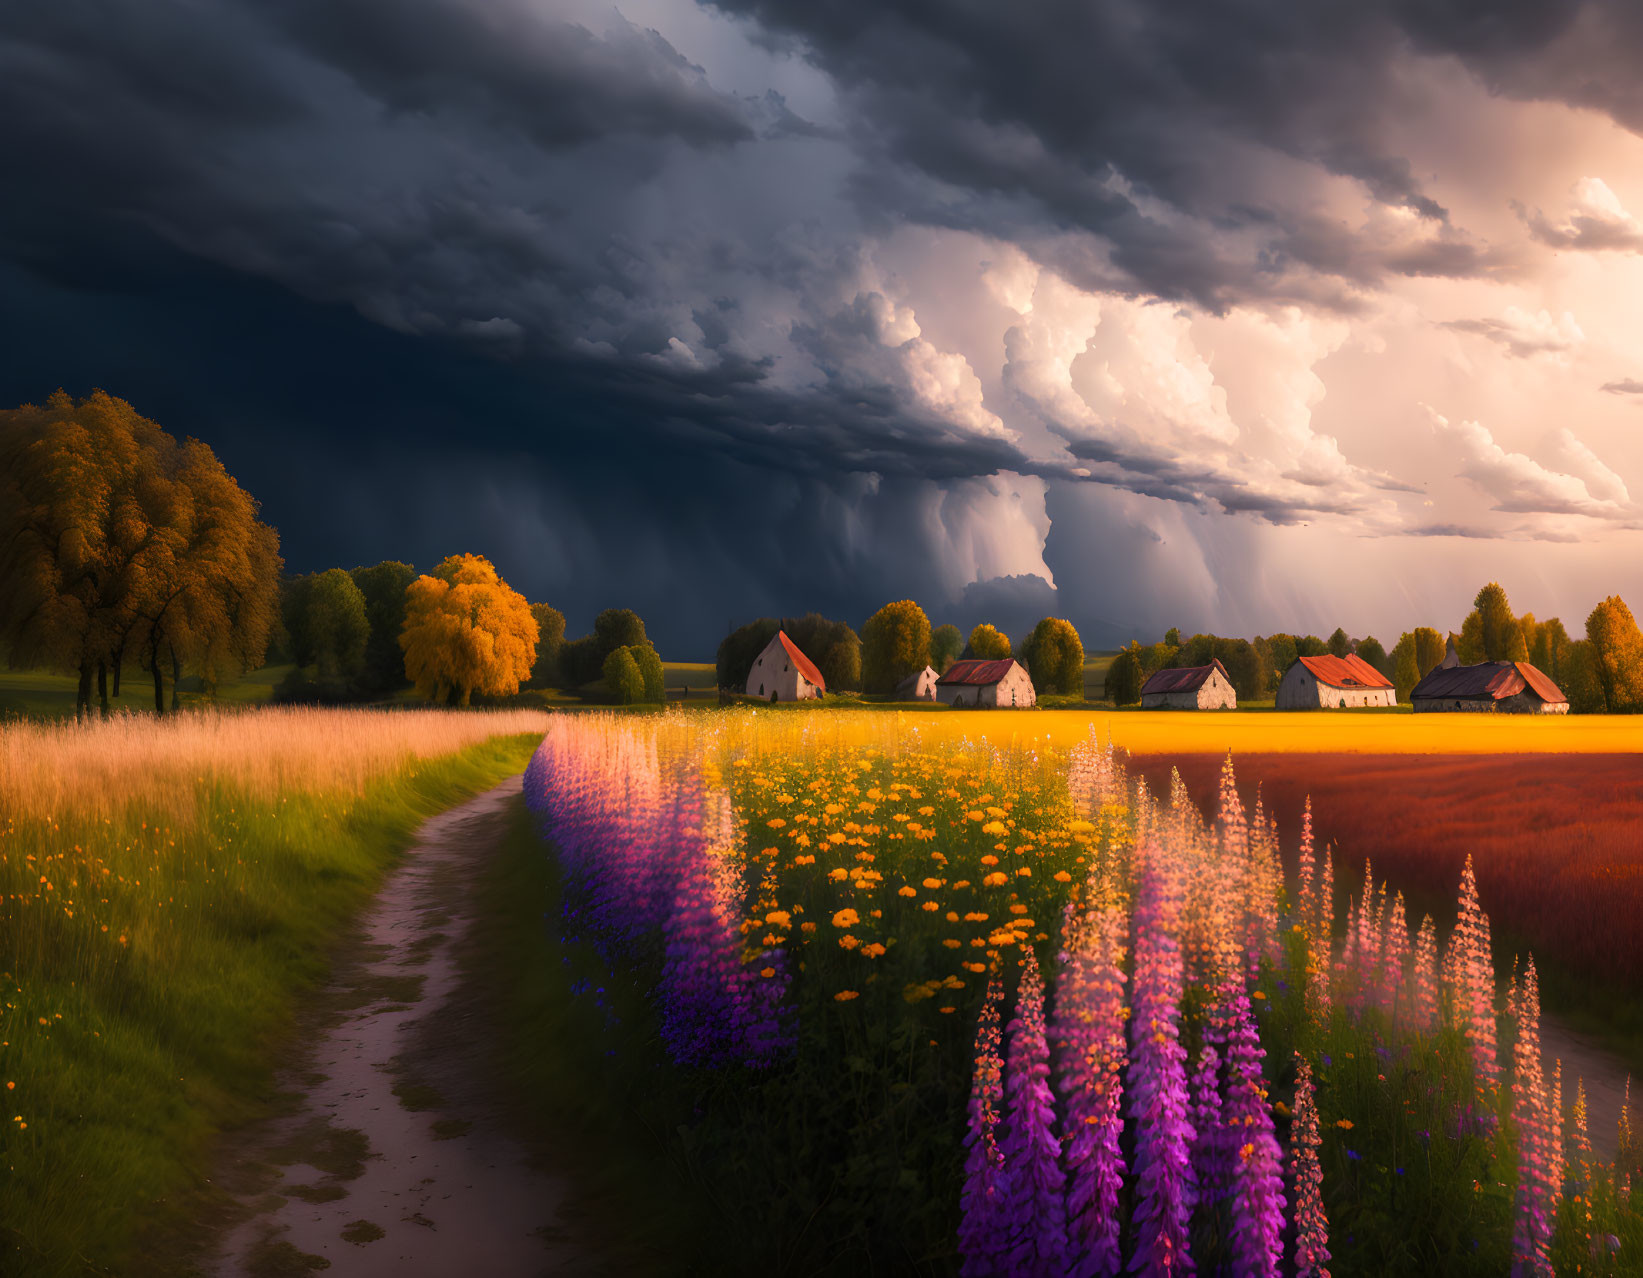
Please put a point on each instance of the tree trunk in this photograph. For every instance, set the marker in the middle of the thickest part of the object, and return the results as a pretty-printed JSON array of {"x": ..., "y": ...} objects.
[
  {"x": 176, "y": 679},
  {"x": 102, "y": 685},
  {"x": 118, "y": 662},
  {"x": 82, "y": 696},
  {"x": 159, "y": 679}
]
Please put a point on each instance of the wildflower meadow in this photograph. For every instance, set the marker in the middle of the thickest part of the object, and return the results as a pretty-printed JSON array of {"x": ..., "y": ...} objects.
[{"x": 925, "y": 1003}]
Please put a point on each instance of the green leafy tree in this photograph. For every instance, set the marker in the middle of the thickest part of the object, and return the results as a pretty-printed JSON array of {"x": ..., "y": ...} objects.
[
  {"x": 1124, "y": 677},
  {"x": 1280, "y": 656},
  {"x": 840, "y": 665},
  {"x": 1430, "y": 649},
  {"x": 988, "y": 643},
  {"x": 1581, "y": 682},
  {"x": 1055, "y": 657},
  {"x": 741, "y": 648},
  {"x": 1370, "y": 650},
  {"x": 1490, "y": 634},
  {"x": 623, "y": 679},
  {"x": 1405, "y": 670},
  {"x": 618, "y": 628},
  {"x": 1339, "y": 644},
  {"x": 1550, "y": 653},
  {"x": 329, "y": 626},
  {"x": 1172, "y": 637},
  {"x": 582, "y": 661},
  {"x": 946, "y": 642},
  {"x": 895, "y": 642},
  {"x": 1616, "y": 655},
  {"x": 1310, "y": 646},
  {"x": 649, "y": 665},
  {"x": 383, "y": 587},
  {"x": 550, "y": 637}
]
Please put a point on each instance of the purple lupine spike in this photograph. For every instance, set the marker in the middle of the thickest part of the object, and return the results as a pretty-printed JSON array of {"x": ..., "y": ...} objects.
[
  {"x": 1090, "y": 1036},
  {"x": 1035, "y": 1206},
  {"x": 1534, "y": 1203},
  {"x": 1257, "y": 1177},
  {"x": 1208, "y": 1145},
  {"x": 1311, "y": 1223},
  {"x": 1157, "y": 1081},
  {"x": 982, "y": 1234}
]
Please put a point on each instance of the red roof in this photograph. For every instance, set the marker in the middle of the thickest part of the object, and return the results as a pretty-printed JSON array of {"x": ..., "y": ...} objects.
[
  {"x": 973, "y": 671},
  {"x": 806, "y": 666},
  {"x": 1488, "y": 680},
  {"x": 1350, "y": 671},
  {"x": 1184, "y": 678}
]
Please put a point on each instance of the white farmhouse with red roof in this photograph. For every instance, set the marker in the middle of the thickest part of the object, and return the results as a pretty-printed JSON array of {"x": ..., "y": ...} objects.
[
  {"x": 986, "y": 683},
  {"x": 782, "y": 673},
  {"x": 1334, "y": 683}
]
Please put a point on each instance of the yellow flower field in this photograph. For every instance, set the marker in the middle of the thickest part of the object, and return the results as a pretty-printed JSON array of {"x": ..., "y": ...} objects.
[{"x": 1315, "y": 731}]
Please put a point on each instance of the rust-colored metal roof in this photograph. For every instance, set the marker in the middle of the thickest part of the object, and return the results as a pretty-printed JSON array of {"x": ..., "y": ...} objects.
[
  {"x": 976, "y": 671},
  {"x": 806, "y": 666},
  {"x": 1350, "y": 671},
  {"x": 1183, "y": 678},
  {"x": 1488, "y": 680}
]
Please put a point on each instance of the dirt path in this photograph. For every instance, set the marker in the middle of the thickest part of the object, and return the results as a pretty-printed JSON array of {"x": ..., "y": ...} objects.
[
  {"x": 1605, "y": 1077},
  {"x": 389, "y": 1160}
]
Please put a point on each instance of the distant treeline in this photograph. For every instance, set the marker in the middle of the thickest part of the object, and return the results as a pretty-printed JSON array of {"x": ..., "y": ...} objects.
[{"x": 1602, "y": 672}]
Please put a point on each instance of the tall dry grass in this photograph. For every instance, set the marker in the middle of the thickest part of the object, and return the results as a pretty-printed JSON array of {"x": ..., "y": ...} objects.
[{"x": 106, "y": 767}]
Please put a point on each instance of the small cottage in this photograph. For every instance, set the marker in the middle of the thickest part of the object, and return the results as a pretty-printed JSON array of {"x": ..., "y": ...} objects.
[
  {"x": 986, "y": 683},
  {"x": 918, "y": 686},
  {"x": 1334, "y": 683},
  {"x": 1495, "y": 687},
  {"x": 1190, "y": 688},
  {"x": 782, "y": 673}
]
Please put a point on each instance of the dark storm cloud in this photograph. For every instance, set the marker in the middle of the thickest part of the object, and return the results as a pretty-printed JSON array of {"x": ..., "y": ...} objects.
[
  {"x": 1045, "y": 105},
  {"x": 556, "y": 82}
]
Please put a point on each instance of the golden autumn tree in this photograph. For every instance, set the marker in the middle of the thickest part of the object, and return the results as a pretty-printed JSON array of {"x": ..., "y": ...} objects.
[
  {"x": 116, "y": 541},
  {"x": 989, "y": 643},
  {"x": 466, "y": 631}
]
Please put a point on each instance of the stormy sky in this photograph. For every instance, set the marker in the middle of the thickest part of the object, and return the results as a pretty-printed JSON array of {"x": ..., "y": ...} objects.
[{"x": 1244, "y": 316}]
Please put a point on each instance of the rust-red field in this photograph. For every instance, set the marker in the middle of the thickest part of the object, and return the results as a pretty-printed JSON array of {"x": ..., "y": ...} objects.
[{"x": 1556, "y": 839}]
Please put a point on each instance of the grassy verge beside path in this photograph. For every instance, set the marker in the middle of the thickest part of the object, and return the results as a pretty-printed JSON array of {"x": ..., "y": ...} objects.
[
  {"x": 587, "y": 1096},
  {"x": 158, "y": 926}
]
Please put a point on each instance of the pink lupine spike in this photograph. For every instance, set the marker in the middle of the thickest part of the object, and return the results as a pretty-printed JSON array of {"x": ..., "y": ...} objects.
[
  {"x": 1311, "y": 1222},
  {"x": 1394, "y": 960},
  {"x": 1425, "y": 1010},
  {"x": 1535, "y": 1201},
  {"x": 1306, "y": 880}
]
